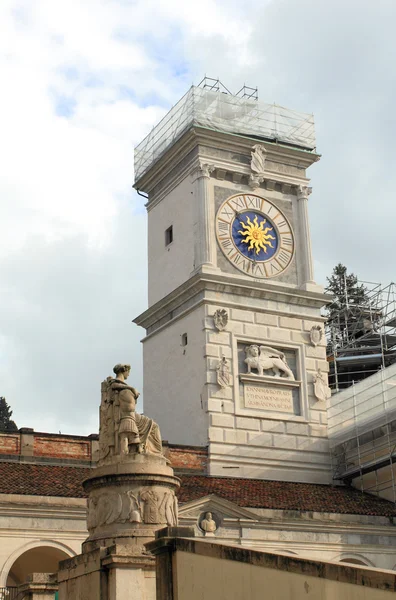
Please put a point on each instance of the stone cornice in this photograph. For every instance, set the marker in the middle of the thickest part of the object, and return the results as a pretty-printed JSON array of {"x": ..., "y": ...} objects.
[
  {"x": 200, "y": 284},
  {"x": 231, "y": 142}
]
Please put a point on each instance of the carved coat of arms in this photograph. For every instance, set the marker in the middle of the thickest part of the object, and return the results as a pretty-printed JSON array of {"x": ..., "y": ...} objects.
[
  {"x": 220, "y": 319},
  {"x": 315, "y": 335}
]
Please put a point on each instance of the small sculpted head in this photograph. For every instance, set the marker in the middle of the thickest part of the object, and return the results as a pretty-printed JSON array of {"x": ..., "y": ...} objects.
[
  {"x": 122, "y": 369},
  {"x": 252, "y": 350},
  {"x": 208, "y": 516}
]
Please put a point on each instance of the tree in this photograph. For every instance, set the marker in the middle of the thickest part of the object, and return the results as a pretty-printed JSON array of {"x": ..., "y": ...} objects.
[
  {"x": 349, "y": 314},
  {"x": 6, "y": 424}
]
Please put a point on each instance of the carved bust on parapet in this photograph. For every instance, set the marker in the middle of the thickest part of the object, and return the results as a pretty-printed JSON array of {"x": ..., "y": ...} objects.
[
  {"x": 267, "y": 361},
  {"x": 122, "y": 430}
]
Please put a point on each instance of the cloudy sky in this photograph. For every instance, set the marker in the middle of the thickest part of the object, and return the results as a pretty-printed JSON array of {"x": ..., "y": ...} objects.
[{"x": 82, "y": 83}]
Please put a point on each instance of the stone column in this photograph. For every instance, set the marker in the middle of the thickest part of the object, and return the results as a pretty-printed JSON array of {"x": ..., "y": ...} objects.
[
  {"x": 39, "y": 586},
  {"x": 305, "y": 245},
  {"x": 205, "y": 246}
]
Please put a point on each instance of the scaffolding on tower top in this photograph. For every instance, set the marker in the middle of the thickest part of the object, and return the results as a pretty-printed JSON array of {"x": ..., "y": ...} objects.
[{"x": 210, "y": 105}]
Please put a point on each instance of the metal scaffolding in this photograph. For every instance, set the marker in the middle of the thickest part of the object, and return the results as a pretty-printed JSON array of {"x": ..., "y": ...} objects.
[
  {"x": 361, "y": 335},
  {"x": 212, "y": 106},
  {"x": 361, "y": 346}
]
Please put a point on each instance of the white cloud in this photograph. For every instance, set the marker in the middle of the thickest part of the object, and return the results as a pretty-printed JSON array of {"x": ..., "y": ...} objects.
[{"x": 83, "y": 82}]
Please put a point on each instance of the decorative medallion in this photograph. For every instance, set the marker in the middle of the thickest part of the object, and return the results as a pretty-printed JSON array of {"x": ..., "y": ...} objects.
[
  {"x": 254, "y": 235},
  {"x": 208, "y": 524},
  {"x": 315, "y": 335},
  {"x": 220, "y": 319},
  {"x": 223, "y": 373}
]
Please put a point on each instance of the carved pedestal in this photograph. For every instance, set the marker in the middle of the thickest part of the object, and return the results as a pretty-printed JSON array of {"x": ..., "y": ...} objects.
[{"x": 130, "y": 498}]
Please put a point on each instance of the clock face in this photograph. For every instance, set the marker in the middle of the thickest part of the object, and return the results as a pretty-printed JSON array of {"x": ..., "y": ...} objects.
[{"x": 254, "y": 235}]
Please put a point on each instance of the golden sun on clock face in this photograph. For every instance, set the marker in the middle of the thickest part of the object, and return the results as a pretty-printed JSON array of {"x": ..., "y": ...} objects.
[{"x": 254, "y": 235}]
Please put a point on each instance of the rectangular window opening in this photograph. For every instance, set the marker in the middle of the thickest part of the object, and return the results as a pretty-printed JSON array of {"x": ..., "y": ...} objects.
[
  {"x": 184, "y": 339},
  {"x": 169, "y": 235}
]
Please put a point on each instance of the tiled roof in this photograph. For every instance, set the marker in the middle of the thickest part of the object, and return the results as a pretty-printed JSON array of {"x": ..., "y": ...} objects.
[
  {"x": 42, "y": 480},
  {"x": 285, "y": 495},
  {"x": 54, "y": 480}
]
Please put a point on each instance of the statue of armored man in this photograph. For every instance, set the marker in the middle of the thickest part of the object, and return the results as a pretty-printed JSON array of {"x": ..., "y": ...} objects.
[{"x": 123, "y": 430}]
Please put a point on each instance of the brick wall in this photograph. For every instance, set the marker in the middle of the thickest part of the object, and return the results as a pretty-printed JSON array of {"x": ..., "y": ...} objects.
[
  {"x": 9, "y": 443},
  {"x": 35, "y": 446},
  {"x": 59, "y": 447},
  {"x": 185, "y": 458}
]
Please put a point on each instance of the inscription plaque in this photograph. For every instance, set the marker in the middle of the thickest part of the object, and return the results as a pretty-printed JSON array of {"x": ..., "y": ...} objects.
[{"x": 268, "y": 398}]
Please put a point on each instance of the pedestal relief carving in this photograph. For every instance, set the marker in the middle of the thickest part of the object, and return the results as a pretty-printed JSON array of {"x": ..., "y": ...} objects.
[
  {"x": 223, "y": 373},
  {"x": 315, "y": 335},
  {"x": 220, "y": 319},
  {"x": 321, "y": 389},
  {"x": 122, "y": 429},
  {"x": 267, "y": 361}
]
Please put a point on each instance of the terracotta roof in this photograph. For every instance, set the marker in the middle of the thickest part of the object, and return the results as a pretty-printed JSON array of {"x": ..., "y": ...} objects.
[
  {"x": 42, "y": 480},
  {"x": 285, "y": 495},
  {"x": 54, "y": 480}
]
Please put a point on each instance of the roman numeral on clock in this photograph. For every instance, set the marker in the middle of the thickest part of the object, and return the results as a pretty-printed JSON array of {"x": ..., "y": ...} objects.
[
  {"x": 283, "y": 257},
  {"x": 253, "y": 202},
  {"x": 223, "y": 227}
]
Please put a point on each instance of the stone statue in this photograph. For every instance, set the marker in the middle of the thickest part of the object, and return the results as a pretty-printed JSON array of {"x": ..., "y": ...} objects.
[
  {"x": 122, "y": 429},
  {"x": 223, "y": 373},
  {"x": 265, "y": 358},
  {"x": 257, "y": 163},
  {"x": 151, "y": 513},
  {"x": 208, "y": 524},
  {"x": 321, "y": 389},
  {"x": 169, "y": 509}
]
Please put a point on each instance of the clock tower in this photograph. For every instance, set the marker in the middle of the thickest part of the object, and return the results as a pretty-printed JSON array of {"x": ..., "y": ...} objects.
[{"x": 234, "y": 353}]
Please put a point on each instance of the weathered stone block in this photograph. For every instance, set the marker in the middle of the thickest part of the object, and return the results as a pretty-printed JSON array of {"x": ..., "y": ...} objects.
[
  {"x": 318, "y": 352},
  {"x": 318, "y": 430},
  {"x": 266, "y": 319},
  {"x": 219, "y": 337},
  {"x": 256, "y": 331},
  {"x": 284, "y": 441},
  {"x": 211, "y": 350},
  {"x": 228, "y": 407},
  {"x": 290, "y": 323},
  {"x": 258, "y": 438},
  {"x": 242, "y": 315},
  {"x": 215, "y": 434},
  {"x": 222, "y": 420},
  {"x": 297, "y": 428},
  {"x": 248, "y": 423},
  {"x": 215, "y": 405},
  {"x": 281, "y": 335},
  {"x": 273, "y": 426},
  {"x": 235, "y": 436}
]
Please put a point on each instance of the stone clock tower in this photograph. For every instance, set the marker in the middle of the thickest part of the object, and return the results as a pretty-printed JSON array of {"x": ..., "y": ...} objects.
[{"x": 234, "y": 353}]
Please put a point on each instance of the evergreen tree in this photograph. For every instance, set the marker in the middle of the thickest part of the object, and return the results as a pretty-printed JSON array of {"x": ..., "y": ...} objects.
[
  {"x": 6, "y": 424},
  {"x": 347, "y": 313}
]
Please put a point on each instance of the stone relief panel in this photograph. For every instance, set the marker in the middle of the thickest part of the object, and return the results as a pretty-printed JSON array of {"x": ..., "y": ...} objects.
[
  {"x": 146, "y": 506},
  {"x": 223, "y": 373},
  {"x": 267, "y": 361},
  {"x": 268, "y": 379},
  {"x": 321, "y": 389}
]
